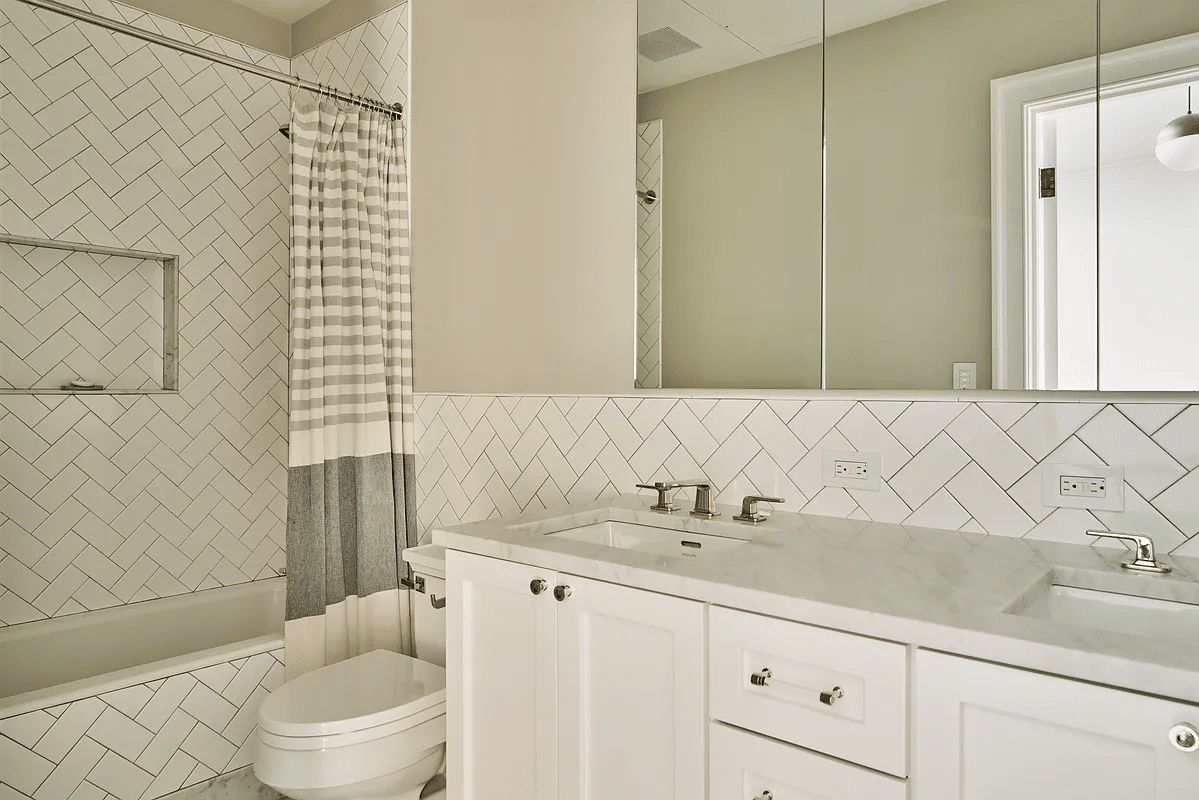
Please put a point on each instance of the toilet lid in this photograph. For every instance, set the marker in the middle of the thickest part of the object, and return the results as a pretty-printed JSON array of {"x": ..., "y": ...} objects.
[{"x": 361, "y": 692}]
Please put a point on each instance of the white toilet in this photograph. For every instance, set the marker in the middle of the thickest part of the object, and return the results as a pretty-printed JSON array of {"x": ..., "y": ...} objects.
[{"x": 372, "y": 726}]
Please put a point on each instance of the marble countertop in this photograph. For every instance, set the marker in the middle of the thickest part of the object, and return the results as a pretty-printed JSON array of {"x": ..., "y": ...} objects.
[{"x": 944, "y": 590}]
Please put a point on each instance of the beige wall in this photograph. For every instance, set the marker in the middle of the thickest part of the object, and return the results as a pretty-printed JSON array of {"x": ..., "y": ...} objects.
[
  {"x": 523, "y": 169},
  {"x": 741, "y": 208},
  {"x": 225, "y": 18},
  {"x": 332, "y": 19}
]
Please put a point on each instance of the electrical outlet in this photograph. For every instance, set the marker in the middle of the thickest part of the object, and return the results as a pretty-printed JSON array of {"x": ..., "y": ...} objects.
[
  {"x": 1077, "y": 486},
  {"x": 853, "y": 470},
  {"x": 1082, "y": 486}
]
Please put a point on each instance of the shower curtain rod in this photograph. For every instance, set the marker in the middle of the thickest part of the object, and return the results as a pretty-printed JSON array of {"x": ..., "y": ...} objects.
[{"x": 237, "y": 63}]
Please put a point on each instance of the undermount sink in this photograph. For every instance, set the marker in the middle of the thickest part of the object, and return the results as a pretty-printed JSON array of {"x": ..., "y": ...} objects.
[
  {"x": 649, "y": 539},
  {"x": 1110, "y": 610}
]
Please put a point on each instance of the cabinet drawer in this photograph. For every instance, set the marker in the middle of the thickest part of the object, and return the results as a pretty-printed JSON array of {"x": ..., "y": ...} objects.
[
  {"x": 866, "y": 724},
  {"x": 743, "y": 766}
]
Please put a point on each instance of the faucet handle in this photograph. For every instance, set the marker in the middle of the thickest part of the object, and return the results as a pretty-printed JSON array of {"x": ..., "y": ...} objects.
[
  {"x": 749, "y": 508},
  {"x": 1145, "y": 560},
  {"x": 665, "y": 495},
  {"x": 703, "y": 501}
]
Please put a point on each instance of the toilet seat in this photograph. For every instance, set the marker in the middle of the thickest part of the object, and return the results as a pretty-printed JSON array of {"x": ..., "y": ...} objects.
[{"x": 380, "y": 689}]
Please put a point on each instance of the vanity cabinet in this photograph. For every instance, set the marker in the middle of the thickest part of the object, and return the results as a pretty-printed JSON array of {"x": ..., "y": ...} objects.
[
  {"x": 745, "y": 766},
  {"x": 989, "y": 732},
  {"x": 553, "y": 679}
]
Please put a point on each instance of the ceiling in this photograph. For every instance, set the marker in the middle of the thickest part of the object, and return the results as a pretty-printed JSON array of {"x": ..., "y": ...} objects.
[
  {"x": 1129, "y": 124},
  {"x": 287, "y": 11},
  {"x": 735, "y": 32}
]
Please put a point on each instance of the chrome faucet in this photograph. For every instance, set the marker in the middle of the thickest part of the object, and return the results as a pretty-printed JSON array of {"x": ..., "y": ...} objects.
[
  {"x": 1145, "y": 559},
  {"x": 665, "y": 489}
]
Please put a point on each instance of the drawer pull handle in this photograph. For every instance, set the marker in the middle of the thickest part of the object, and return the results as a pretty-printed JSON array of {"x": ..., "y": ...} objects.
[
  {"x": 1185, "y": 738},
  {"x": 828, "y": 698},
  {"x": 759, "y": 678},
  {"x": 766, "y": 795}
]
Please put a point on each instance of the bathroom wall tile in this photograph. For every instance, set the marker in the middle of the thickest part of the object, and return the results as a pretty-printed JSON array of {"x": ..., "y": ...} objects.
[
  {"x": 731, "y": 457},
  {"x": 24, "y": 769},
  {"x": 941, "y": 486},
  {"x": 1006, "y": 414},
  {"x": 69, "y": 773},
  {"x": 229, "y": 163},
  {"x": 991, "y": 448},
  {"x": 1049, "y": 424},
  {"x": 1150, "y": 417},
  {"x": 117, "y": 757},
  {"x": 1180, "y": 437},
  {"x": 774, "y": 437},
  {"x": 921, "y": 422},
  {"x": 26, "y": 729},
  {"x": 929, "y": 470},
  {"x": 1140, "y": 516},
  {"x": 939, "y": 511},
  {"x": 1180, "y": 504},
  {"x": 990, "y": 506},
  {"x": 1147, "y": 467},
  {"x": 817, "y": 418},
  {"x": 866, "y": 433}
]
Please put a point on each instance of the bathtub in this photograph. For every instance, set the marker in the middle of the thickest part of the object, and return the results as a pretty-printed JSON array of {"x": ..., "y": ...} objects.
[{"x": 142, "y": 699}]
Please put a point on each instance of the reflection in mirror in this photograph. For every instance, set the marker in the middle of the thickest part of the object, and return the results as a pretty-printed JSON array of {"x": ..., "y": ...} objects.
[
  {"x": 909, "y": 238},
  {"x": 1148, "y": 266},
  {"x": 736, "y": 88}
]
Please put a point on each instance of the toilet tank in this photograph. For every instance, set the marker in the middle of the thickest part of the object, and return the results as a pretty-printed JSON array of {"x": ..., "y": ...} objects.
[{"x": 428, "y": 623}]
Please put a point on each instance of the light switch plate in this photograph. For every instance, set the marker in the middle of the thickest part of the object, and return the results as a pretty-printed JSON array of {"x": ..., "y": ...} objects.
[
  {"x": 853, "y": 470},
  {"x": 1051, "y": 487}
]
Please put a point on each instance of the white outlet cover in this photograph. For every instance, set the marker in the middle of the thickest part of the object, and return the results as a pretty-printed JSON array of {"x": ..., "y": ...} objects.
[
  {"x": 873, "y": 481},
  {"x": 1051, "y": 486}
]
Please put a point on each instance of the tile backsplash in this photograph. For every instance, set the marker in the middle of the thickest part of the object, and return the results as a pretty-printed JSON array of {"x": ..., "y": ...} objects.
[{"x": 955, "y": 465}]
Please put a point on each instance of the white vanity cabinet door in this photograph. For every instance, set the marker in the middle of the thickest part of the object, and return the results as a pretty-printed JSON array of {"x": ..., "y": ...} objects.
[
  {"x": 744, "y": 766},
  {"x": 988, "y": 732},
  {"x": 501, "y": 651},
  {"x": 631, "y": 711}
]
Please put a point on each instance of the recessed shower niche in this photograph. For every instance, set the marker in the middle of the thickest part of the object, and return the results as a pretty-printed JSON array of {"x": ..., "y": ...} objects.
[{"x": 86, "y": 318}]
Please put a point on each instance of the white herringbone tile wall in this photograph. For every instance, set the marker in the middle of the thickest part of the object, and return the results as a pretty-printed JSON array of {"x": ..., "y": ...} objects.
[
  {"x": 649, "y": 257},
  {"x": 954, "y": 465},
  {"x": 142, "y": 741},
  {"x": 369, "y": 59},
  {"x": 107, "y": 499},
  {"x": 69, "y": 315}
]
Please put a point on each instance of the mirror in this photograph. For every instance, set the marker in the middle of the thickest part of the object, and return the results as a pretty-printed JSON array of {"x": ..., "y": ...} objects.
[
  {"x": 734, "y": 89},
  {"x": 908, "y": 244}
]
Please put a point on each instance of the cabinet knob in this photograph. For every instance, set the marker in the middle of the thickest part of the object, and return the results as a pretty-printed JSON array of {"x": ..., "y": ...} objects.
[
  {"x": 561, "y": 593},
  {"x": 766, "y": 795},
  {"x": 828, "y": 698},
  {"x": 538, "y": 586},
  {"x": 759, "y": 678},
  {"x": 1184, "y": 737}
]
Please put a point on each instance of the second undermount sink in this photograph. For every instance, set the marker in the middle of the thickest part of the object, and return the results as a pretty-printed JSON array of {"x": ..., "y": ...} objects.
[
  {"x": 1116, "y": 611},
  {"x": 649, "y": 539}
]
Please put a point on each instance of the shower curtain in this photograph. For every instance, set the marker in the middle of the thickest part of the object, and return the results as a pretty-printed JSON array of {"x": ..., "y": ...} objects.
[{"x": 351, "y": 493}]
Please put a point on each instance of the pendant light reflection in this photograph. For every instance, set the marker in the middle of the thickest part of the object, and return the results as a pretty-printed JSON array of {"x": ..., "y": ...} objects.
[{"x": 1178, "y": 143}]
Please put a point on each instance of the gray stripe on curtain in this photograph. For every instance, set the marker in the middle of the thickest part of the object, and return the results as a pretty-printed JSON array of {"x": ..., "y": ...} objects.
[{"x": 341, "y": 536}]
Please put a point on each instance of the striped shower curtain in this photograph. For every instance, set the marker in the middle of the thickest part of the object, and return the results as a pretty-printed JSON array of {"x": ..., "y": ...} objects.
[{"x": 351, "y": 494}]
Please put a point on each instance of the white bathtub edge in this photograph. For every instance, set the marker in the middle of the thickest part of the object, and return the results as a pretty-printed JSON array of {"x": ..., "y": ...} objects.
[{"x": 143, "y": 673}]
